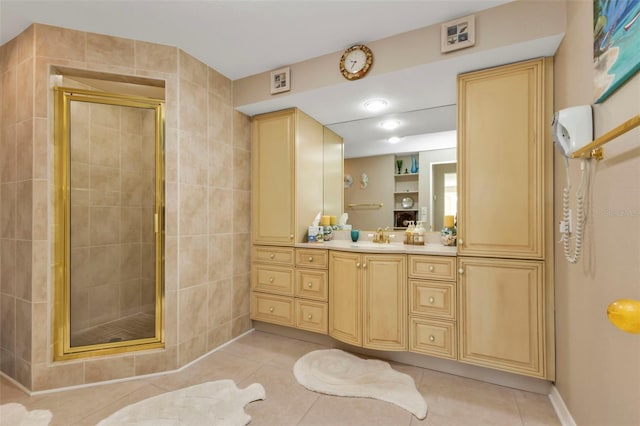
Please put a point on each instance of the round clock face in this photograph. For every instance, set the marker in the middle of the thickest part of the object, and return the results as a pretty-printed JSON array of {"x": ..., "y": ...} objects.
[{"x": 356, "y": 61}]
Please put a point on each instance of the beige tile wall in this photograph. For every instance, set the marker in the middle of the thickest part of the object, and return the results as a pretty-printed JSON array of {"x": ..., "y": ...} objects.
[
  {"x": 207, "y": 149},
  {"x": 20, "y": 196}
]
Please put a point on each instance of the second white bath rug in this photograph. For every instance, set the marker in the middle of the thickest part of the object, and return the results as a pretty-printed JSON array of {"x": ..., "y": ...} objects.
[
  {"x": 14, "y": 414},
  {"x": 336, "y": 372},
  {"x": 218, "y": 403}
]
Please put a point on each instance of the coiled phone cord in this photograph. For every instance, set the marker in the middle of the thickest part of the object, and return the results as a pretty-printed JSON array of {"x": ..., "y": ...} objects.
[{"x": 580, "y": 214}]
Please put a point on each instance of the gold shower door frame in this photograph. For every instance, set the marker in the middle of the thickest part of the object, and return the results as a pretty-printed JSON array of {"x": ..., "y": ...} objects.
[{"x": 62, "y": 253}]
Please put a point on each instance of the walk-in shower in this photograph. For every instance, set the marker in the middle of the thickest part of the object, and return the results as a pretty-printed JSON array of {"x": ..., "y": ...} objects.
[{"x": 109, "y": 205}]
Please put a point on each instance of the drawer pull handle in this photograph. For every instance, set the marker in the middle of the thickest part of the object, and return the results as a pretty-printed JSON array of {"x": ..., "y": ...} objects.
[
  {"x": 461, "y": 271},
  {"x": 272, "y": 256},
  {"x": 431, "y": 268},
  {"x": 271, "y": 279},
  {"x": 432, "y": 338},
  {"x": 309, "y": 284},
  {"x": 271, "y": 309},
  {"x": 309, "y": 316},
  {"x": 310, "y": 259},
  {"x": 432, "y": 300}
]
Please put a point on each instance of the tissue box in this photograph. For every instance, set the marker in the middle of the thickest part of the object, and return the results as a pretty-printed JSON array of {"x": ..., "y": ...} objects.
[{"x": 315, "y": 234}]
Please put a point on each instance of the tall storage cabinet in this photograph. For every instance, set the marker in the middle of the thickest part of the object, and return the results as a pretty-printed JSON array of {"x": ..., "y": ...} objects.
[
  {"x": 505, "y": 213},
  {"x": 287, "y": 166},
  {"x": 296, "y": 173}
]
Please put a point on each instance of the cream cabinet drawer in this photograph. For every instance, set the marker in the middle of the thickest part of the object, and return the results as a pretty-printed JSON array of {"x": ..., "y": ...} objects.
[
  {"x": 436, "y": 338},
  {"x": 432, "y": 298},
  {"x": 312, "y": 258},
  {"x": 275, "y": 254},
  {"x": 274, "y": 309},
  {"x": 432, "y": 267},
  {"x": 272, "y": 279},
  {"x": 311, "y": 284},
  {"x": 312, "y": 316}
]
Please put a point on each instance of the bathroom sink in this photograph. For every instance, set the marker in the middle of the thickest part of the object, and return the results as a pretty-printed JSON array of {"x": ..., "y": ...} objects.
[{"x": 369, "y": 245}]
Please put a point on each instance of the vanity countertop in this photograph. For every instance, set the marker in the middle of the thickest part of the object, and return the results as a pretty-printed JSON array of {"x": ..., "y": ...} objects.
[{"x": 434, "y": 249}]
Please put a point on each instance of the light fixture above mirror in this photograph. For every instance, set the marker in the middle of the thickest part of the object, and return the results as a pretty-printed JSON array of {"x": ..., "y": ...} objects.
[
  {"x": 390, "y": 124},
  {"x": 376, "y": 105}
]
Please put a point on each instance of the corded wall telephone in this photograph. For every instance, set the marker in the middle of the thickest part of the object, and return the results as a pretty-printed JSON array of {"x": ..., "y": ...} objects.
[{"x": 572, "y": 128}]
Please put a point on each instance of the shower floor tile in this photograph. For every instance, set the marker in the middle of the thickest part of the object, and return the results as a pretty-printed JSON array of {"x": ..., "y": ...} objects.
[{"x": 137, "y": 326}]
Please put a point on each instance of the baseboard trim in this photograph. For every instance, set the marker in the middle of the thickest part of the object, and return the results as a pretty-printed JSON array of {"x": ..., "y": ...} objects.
[
  {"x": 560, "y": 408},
  {"x": 124, "y": 379}
]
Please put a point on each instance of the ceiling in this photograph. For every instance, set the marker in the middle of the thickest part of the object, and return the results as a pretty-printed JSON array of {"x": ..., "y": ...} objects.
[{"x": 242, "y": 38}]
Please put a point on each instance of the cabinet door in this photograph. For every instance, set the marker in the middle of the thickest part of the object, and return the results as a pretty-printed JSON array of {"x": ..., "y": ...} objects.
[
  {"x": 272, "y": 153},
  {"x": 385, "y": 302},
  {"x": 345, "y": 297},
  {"x": 501, "y": 314},
  {"x": 503, "y": 116}
]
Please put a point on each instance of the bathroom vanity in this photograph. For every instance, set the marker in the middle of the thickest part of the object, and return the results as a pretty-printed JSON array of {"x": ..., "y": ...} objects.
[{"x": 487, "y": 302}]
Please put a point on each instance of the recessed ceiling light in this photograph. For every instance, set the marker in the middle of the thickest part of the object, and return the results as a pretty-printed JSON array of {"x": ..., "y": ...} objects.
[
  {"x": 390, "y": 124},
  {"x": 375, "y": 105},
  {"x": 394, "y": 139}
]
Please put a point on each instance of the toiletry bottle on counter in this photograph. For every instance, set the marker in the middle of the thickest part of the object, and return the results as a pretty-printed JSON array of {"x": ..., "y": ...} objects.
[
  {"x": 408, "y": 234},
  {"x": 419, "y": 234}
]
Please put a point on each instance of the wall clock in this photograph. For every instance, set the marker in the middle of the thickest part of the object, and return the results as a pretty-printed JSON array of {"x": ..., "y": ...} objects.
[{"x": 356, "y": 62}]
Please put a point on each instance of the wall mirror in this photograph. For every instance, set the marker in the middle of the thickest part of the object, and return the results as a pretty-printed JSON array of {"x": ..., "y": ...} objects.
[
  {"x": 109, "y": 203},
  {"x": 427, "y": 139}
]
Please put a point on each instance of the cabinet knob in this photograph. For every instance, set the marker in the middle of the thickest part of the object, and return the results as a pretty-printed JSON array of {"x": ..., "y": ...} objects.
[
  {"x": 364, "y": 265},
  {"x": 272, "y": 256},
  {"x": 431, "y": 268},
  {"x": 357, "y": 264},
  {"x": 271, "y": 279},
  {"x": 310, "y": 259},
  {"x": 291, "y": 236},
  {"x": 309, "y": 284},
  {"x": 432, "y": 338},
  {"x": 271, "y": 309},
  {"x": 432, "y": 300},
  {"x": 461, "y": 271},
  {"x": 309, "y": 316},
  {"x": 460, "y": 240}
]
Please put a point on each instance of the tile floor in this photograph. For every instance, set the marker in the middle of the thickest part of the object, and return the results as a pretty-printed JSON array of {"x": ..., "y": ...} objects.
[{"x": 268, "y": 359}]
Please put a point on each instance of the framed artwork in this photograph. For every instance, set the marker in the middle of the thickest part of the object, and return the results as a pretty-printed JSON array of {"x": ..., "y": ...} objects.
[
  {"x": 616, "y": 37},
  {"x": 458, "y": 34},
  {"x": 280, "y": 80}
]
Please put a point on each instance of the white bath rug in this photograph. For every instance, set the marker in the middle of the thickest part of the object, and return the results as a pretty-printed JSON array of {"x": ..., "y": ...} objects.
[
  {"x": 336, "y": 372},
  {"x": 14, "y": 414},
  {"x": 213, "y": 403}
]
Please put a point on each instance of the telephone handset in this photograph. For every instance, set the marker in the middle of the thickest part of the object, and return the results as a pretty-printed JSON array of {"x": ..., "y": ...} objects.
[{"x": 571, "y": 129}]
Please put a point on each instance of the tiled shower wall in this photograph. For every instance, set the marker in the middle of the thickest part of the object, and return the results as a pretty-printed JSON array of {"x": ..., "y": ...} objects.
[
  {"x": 112, "y": 207},
  {"x": 207, "y": 250}
]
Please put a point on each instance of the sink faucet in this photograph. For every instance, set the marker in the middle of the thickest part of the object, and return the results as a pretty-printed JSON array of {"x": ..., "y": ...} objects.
[{"x": 382, "y": 236}]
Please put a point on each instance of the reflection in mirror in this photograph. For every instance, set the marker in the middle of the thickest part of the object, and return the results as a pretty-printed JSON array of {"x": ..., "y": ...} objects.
[
  {"x": 378, "y": 159},
  {"x": 109, "y": 206},
  {"x": 444, "y": 197}
]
